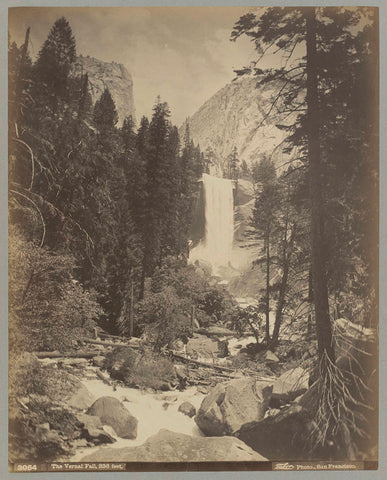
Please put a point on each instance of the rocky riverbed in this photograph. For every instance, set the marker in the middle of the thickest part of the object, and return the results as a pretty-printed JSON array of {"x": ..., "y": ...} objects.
[{"x": 252, "y": 404}]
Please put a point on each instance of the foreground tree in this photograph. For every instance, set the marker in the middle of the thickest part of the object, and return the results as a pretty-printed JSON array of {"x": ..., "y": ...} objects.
[
  {"x": 55, "y": 58},
  {"x": 265, "y": 224},
  {"x": 317, "y": 98}
]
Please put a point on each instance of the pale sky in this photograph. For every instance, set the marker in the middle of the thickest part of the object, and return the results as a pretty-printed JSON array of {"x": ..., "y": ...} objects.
[{"x": 182, "y": 54}]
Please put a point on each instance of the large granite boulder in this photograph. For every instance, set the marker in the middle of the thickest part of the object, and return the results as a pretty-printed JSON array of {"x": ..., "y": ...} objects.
[
  {"x": 280, "y": 437},
  {"x": 232, "y": 404},
  {"x": 202, "y": 346},
  {"x": 167, "y": 446},
  {"x": 112, "y": 412},
  {"x": 93, "y": 431},
  {"x": 291, "y": 384},
  {"x": 79, "y": 396},
  {"x": 187, "y": 409}
]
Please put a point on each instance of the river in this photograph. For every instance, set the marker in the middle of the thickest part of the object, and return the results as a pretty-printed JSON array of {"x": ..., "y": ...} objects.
[{"x": 150, "y": 409}]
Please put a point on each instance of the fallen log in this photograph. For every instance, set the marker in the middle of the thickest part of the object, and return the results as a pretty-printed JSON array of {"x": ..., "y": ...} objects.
[
  {"x": 202, "y": 364},
  {"x": 109, "y": 344},
  {"x": 170, "y": 353},
  {"x": 104, "y": 377},
  {"x": 107, "y": 335},
  {"x": 66, "y": 355}
]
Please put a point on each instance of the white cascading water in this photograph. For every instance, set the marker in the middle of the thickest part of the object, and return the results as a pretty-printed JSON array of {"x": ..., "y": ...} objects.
[{"x": 216, "y": 248}]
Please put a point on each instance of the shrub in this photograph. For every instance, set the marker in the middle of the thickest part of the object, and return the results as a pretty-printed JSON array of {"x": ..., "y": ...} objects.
[
  {"x": 165, "y": 317},
  {"x": 140, "y": 370},
  {"x": 34, "y": 396},
  {"x": 48, "y": 307}
]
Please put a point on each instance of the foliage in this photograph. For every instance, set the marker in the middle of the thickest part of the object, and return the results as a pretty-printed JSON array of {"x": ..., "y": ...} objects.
[
  {"x": 248, "y": 318},
  {"x": 145, "y": 370},
  {"x": 47, "y": 306},
  {"x": 55, "y": 58},
  {"x": 105, "y": 114},
  {"x": 319, "y": 96},
  {"x": 193, "y": 285},
  {"x": 164, "y": 316},
  {"x": 35, "y": 397},
  {"x": 115, "y": 200}
]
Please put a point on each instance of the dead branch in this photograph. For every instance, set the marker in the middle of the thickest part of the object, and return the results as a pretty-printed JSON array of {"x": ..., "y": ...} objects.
[
  {"x": 40, "y": 213},
  {"x": 32, "y": 160}
]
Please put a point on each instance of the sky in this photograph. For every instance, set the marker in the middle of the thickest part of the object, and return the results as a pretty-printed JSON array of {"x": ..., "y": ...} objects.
[{"x": 182, "y": 54}]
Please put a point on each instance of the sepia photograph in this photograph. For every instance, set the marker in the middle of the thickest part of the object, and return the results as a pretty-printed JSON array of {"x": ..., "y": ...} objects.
[{"x": 193, "y": 225}]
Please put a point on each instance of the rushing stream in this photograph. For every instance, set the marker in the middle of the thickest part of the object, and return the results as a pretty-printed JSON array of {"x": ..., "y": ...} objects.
[{"x": 153, "y": 411}]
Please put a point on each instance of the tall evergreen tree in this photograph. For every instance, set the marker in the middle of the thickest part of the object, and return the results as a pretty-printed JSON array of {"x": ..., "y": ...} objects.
[
  {"x": 105, "y": 115},
  {"x": 55, "y": 58},
  {"x": 304, "y": 86},
  {"x": 85, "y": 104},
  {"x": 317, "y": 92},
  {"x": 265, "y": 223}
]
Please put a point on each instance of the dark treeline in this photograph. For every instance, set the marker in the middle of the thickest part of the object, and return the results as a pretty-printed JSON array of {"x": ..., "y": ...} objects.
[{"x": 95, "y": 209}]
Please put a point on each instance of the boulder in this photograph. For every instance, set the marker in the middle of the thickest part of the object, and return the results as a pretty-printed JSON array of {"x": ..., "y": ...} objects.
[
  {"x": 187, "y": 409},
  {"x": 80, "y": 398},
  {"x": 167, "y": 446},
  {"x": 280, "y": 437},
  {"x": 112, "y": 412},
  {"x": 291, "y": 384},
  {"x": 202, "y": 346},
  {"x": 232, "y": 404},
  {"x": 271, "y": 357},
  {"x": 178, "y": 345},
  {"x": 49, "y": 445},
  {"x": 222, "y": 348},
  {"x": 99, "y": 361},
  {"x": 92, "y": 430},
  {"x": 182, "y": 374}
]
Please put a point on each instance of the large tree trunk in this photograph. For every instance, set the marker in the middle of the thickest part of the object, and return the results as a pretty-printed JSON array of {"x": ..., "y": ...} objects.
[
  {"x": 267, "y": 312},
  {"x": 320, "y": 289}
]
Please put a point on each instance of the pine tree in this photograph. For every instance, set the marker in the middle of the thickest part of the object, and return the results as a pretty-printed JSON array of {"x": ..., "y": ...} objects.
[
  {"x": 304, "y": 87},
  {"x": 323, "y": 94},
  {"x": 85, "y": 104},
  {"x": 55, "y": 58},
  {"x": 265, "y": 223},
  {"x": 105, "y": 115}
]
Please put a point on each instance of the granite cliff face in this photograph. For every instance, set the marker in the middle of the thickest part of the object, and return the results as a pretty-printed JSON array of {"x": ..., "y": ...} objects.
[
  {"x": 115, "y": 77},
  {"x": 235, "y": 116}
]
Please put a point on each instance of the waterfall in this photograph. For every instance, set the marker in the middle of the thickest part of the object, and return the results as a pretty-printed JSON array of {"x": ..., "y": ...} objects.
[{"x": 216, "y": 247}]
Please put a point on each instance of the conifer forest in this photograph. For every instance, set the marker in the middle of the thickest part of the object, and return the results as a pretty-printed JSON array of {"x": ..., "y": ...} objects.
[{"x": 205, "y": 291}]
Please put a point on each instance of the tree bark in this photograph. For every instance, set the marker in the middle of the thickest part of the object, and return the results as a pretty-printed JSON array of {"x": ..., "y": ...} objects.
[
  {"x": 320, "y": 288},
  {"x": 131, "y": 309},
  {"x": 267, "y": 312}
]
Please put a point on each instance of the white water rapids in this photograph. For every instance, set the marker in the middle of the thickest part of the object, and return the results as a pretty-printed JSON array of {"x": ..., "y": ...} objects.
[
  {"x": 216, "y": 248},
  {"x": 150, "y": 409}
]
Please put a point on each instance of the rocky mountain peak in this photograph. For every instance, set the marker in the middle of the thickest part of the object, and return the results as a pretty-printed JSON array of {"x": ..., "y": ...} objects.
[
  {"x": 112, "y": 75},
  {"x": 236, "y": 117}
]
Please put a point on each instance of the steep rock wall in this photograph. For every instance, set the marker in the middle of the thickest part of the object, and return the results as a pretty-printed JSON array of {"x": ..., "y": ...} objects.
[{"x": 113, "y": 76}]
